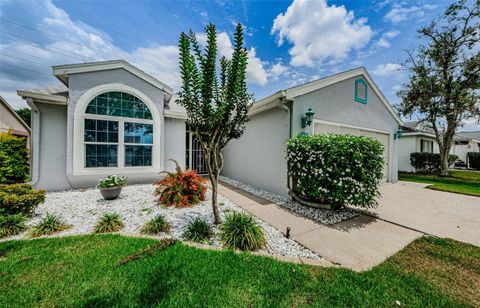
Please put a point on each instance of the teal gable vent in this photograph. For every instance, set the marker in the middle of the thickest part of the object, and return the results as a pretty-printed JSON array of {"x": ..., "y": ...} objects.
[{"x": 361, "y": 91}]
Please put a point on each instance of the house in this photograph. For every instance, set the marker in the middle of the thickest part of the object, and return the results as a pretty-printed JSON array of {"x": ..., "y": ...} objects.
[
  {"x": 346, "y": 103},
  {"x": 11, "y": 122},
  {"x": 112, "y": 118},
  {"x": 465, "y": 142},
  {"x": 416, "y": 137}
]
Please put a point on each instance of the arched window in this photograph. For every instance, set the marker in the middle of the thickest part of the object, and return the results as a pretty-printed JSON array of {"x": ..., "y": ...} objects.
[{"x": 118, "y": 131}]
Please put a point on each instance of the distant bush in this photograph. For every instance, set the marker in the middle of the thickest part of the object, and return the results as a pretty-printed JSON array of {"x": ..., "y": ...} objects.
[
  {"x": 198, "y": 230},
  {"x": 155, "y": 225},
  {"x": 19, "y": 199},
  {"x": 12, "y": 224},
  {"x": 182, "y": 188},
  {"x": 14, "y": 166},
  {"x": 428, "y": 162},
  {"x": 240, "y": 231},
  {"x": 109, "y": 222},
  {"x": 49, "y": 224},
  {"x": 336, "y": 169},
  {"x": 474, "y": 160}
]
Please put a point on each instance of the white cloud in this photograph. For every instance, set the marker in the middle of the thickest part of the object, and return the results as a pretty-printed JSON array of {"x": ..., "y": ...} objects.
[
  {"x": 384, "y": 40},
  {"x": 320, "y": 32},
  {"x": 400, "y": 13},
  {"x": 387, "y": 69}
]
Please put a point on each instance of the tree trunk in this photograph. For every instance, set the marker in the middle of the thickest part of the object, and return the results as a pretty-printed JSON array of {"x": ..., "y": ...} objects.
[
  {"x": 444, "y": 162},
  {"x": 213, "y": 176}
]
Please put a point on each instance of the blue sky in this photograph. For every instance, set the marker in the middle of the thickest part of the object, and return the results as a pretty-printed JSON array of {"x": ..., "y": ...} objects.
[{"x": 289, "y": 42}]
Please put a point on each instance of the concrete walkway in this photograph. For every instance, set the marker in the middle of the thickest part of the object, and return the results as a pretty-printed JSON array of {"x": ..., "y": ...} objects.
[
  {"x": 434, "y": 212},
  {"x": 358, "y": 244},
  {"x": 406, "y": 211}
]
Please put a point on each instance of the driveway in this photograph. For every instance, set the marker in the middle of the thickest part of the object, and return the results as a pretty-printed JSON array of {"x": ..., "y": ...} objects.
[{"x": 430, "y": 211}]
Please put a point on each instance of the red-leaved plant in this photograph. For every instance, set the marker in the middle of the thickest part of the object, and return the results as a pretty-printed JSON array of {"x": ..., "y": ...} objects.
[{"x": 182, "y": 188}]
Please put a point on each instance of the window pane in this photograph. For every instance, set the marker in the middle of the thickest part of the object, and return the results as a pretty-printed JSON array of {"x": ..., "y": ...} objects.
[
  {"x": 138, "y": 133},
  {"x": 138, "y": 155},
  {"x": 100, "y": 155},
  {"x": 119, "y": 104},
  {"x": 101, "y": 131}
]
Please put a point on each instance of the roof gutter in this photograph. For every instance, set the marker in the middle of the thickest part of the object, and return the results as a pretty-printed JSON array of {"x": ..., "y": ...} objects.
[
  {"x": 34, "y": 141},
  {"x": 268, "y": 102}
]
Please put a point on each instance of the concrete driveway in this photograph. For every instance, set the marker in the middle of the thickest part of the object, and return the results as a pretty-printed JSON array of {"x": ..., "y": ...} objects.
[{"x": 434, "y": 212}]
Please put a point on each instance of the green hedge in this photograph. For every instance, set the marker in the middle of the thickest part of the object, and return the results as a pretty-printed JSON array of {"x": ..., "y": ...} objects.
[
  {"x": 14, "y": 166},
  {"x": 19, "y": 199},
  {"x": 474, "y": 160},
  {"x": 429, "y": 162},
  {"x": 336, "y": 169}
]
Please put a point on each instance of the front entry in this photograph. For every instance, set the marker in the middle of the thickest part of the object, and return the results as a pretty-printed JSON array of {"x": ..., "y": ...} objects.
[{"x": 194, "y": 156}]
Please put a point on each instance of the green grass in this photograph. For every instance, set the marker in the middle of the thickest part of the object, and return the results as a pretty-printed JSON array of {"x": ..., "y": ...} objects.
[
  {"x": 85, "y": 271},
  {"x": 459, "y": 181}
]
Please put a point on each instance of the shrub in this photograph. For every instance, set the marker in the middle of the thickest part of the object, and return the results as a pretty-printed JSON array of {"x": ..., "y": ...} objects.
[
  {"x": 182, "y": 188},
  {"x": 19, "y": 199},
  {"x": 336, "y": 169},
  {"x": 109, "y": 222},
  {"x": 429, "y": 162},
  {"x": 474, "y": 160},
  {"x": 156, "y": 225},
  {"x": 242, "y": 232},
  {"x": 198, "y": 230},
  {"x": 12, "y": 224},
  {"x": 112, "y": 181},
  {"x": 14, "y": 166},
  {"x": 49, "y": 224}
]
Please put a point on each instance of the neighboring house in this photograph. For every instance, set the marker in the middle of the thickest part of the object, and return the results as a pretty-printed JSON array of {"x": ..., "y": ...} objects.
[
  {"x": 465, "y": 142},
  {"x": 346, "y": 103},
  {"x": 416, "y": 137},
  {"x": 11, "y": 122},
  {"x": 112, "y": 118}
]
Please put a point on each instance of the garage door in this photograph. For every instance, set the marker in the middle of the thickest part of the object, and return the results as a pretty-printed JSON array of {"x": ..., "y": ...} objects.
[{"x": 320, "y": 128}]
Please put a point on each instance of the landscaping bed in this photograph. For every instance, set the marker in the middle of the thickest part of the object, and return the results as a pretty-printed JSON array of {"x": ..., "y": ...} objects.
[
  {"x": 323, "y": 216},
  {"x": 112, "y": 271},
  {"x": 81, "y": 209}
]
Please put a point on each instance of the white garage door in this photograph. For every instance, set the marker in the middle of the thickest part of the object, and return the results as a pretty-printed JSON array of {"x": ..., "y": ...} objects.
[{"x": 320, "y": 128}]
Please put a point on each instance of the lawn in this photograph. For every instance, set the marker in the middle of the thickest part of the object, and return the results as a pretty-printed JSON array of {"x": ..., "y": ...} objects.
[
  {"x": 86, "y": 271},
  {"x": 459, "y": 181}
]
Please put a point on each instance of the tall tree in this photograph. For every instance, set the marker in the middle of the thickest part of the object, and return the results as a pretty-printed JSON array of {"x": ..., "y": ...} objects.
[
  {"x": 25, "y": 114},
  {"x": 217, "y": 108},
  {"x": 444, "y": 83}
]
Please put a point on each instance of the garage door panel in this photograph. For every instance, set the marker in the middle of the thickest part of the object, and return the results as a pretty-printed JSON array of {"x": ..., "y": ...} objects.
[{"x": 320, "y": 128}]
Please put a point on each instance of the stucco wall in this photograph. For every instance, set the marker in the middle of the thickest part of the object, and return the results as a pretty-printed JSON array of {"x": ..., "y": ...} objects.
[
  {"x": 408, "y": 145},
  {"x": 52, "y": 147},
  {"x": 461, "y": 150},
  {"x": 9, "y": 121},
  {"x": 258, "y": 157},
  {"x": 78, "y": 85},
  {"x": 174, "y": 142},
  {"x": 335, "y": 103}
]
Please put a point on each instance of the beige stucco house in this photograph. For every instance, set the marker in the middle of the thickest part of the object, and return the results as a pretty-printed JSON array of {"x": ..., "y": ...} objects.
[{"x": 11, "y": 122}]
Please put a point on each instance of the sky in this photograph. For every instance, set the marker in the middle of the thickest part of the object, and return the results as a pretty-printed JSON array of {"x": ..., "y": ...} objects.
[{"x": 289, "y": 42}]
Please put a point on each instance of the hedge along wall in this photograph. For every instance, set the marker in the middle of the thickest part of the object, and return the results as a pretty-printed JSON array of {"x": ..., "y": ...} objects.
[
  {"x": 14, "y": 166},
  {"x": 474, "y": 160},
  {"x": 429, "y": 162},
  {"x": 336, "y": 169}
]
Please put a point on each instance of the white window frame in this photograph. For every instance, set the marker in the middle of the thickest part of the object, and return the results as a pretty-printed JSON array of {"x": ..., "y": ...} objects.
[{"x": 79, "y": 132}]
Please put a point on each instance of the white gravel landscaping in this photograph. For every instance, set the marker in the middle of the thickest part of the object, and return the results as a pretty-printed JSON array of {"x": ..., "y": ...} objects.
[
  {"x": 136, "y": 205},
  {"x": 323, "y": 216}
]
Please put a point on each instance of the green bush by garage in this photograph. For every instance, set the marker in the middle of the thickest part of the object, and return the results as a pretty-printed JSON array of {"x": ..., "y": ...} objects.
[
  {"x": 14, "y": 166},
  {"x": 336, "y": 169}
]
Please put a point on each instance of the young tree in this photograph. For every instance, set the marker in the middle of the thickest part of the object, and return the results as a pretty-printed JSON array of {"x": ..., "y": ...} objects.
[
  {"x": 444, "y": 80},
  {"x": 25, "y": 114},
  {"x": 216, "y": 108}
]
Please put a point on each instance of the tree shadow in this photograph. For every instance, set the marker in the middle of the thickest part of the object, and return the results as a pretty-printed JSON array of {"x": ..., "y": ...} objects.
[{"x": 354, "y": 223}]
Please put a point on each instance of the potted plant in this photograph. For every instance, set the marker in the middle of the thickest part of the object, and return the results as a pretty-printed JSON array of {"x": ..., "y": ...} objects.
[{"x": 111, "y": 186}]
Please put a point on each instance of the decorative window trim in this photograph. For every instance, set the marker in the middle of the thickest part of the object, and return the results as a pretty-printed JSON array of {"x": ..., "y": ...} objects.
[
  {"x": 78, "y": 133},
  {"x": 357, "y": 98}
]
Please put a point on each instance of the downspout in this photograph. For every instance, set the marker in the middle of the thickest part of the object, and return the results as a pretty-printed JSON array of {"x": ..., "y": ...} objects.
[
  {"x": 34, "y": 142},
  {"x": 289, "y": 114}
]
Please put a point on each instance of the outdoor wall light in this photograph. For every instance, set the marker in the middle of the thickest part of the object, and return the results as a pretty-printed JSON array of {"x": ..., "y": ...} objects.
[
  {"x": 398, "y": 134},
  {"x": 307, "y": 119}
]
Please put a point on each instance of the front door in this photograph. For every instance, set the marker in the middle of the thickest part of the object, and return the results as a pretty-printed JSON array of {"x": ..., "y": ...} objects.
[{"x": 195, "y": 158}]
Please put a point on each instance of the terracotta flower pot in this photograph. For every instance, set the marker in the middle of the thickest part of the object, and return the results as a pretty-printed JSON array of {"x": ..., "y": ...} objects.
[{"x": 111, "y": 193}]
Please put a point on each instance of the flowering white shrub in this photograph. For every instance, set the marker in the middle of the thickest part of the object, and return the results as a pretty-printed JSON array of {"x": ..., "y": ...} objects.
[
  {"x": 112, "y": 181},
  {"x": 336, "y": 169}
]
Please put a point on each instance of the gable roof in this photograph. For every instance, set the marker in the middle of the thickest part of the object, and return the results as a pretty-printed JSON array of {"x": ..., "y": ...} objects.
[
  {"x": 12, "y": 111},
  {"x": 290, "y": 93},
  {"x": 474, "y": 135},
  {"x": 62, "y": 72}
]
